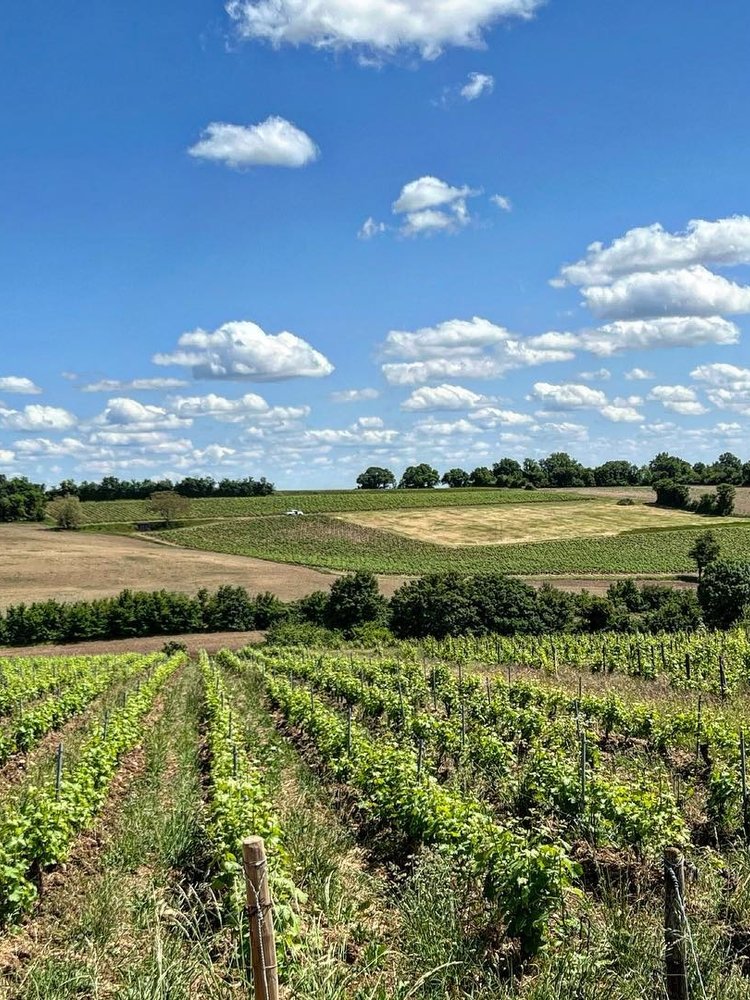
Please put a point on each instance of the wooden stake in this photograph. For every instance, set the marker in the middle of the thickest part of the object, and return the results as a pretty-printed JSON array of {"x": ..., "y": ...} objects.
[
  {"x": 722, "y": 678},
  {"x": 583, "y": 770},
  {"x": 743, "y": 778},
  {"x": 688, "y": 670},
  {"x": 698, "y": 727},
  {"x": 349, "y": 730},
  {"x": 58, "y": 770},
  {"x": 260, "y": 913},
  {"x": 676, "y": 981}
]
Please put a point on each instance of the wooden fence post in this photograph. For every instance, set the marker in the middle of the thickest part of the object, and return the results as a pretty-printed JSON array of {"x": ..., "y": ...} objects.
[
  {"x": 260, "y": 913},
  {"x": 674, "y": 925},
  {"x": 743, "y": 779},
  {"x": 722, "y": 677}
]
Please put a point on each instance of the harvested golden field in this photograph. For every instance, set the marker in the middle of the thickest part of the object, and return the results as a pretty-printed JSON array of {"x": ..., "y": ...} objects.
[{"x": 460, "y": 526}]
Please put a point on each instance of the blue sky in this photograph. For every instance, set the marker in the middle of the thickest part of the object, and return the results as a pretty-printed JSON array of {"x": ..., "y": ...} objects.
[{"x": 408, "y": 200}]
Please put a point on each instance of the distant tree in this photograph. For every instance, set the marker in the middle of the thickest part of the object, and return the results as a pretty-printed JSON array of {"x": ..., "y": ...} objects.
[
  {"x": 482, "y": 476},
  {"x": 437, "y": 604},
  {"x": 508, "y": 473},
  {"x": 21, "y": 500},
  {"x": 746, "y": 474},
  {"x": 534, "y": 473},
  {"x": 354, "y": 600},
  {"x": 66, "y": 512},
  {"x": 562, "y": 470},
  {"x": 724, "y": 592},
  {"x": 616, "y": 473},
  {"x": 419, "y": 477},
  {"x": 672, "y": 494},
  {"x": 700, "y": 473},
  {"x": 456, "y": 478},
  {"x": 728, "y": 469},
  {"x": 704, "y": 551},
  {"x": 195, "y": 486},
  {"x": 375, "y": 478},
  {"x": 666, "y": 466},
  {"x": 168, "y": 505},
  {"x": 726, "y": 495}
]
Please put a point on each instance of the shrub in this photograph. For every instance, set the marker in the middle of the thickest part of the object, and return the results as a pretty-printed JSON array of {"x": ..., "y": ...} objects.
[
  {"x": 269, "y": 610},
  {"x": 172, "y": 647},
  {"x": 371, "y": 635},
  {"x": 292, "y": 633},
  {"x": 435, "y": 605},
  {"x": 66, "y": 512},
  {"x": 725, "y": 498},
  {"x": 724, "y": 592},
  {"x": 312, "y": 608},
  {"x": 705, "y": 550},
  {"x": 672, "y": 494},
  {"x": 230, "y": 609},
  {"x": 354, "y": 600},
  {"x": 626, "y": 502}
]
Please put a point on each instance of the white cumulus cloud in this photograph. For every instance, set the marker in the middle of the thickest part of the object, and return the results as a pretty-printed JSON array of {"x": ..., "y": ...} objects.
[
  {"x": 477, "y": 85},
  {"x": 354, "y": 395},
  {"x": 442, "y": 397},
  {"x": 661, "y": 332},
  {"x": 723, "y": 242},
  {"x": 693, "y": 291},
  {"x": 679, "y": 399},
  {"x": 19, "y": 385},
  {"x": 370, "y": 229},
  {"x": 431, "y": 205},
  {"x": 272, "y": 143},
  {"x": 379, "y": 25},
  {"x": 37, "y": 418},
  {"x": 728, "y": 386},
  {"x": 242, "y": 351},
  {"x": 502, "y": 202},
  {"x": 134, "y": 385}
]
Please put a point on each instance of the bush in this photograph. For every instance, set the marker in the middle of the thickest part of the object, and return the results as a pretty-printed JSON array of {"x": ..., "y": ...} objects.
[
  {"x": 725, "y": 498},
  {"x": 672, "y": 494},
  {"x": 295, "y": 633},
  {"x": 313, "y": 608},
  {"x": 354, "y": 600},
  {"x": 172, "y": 647},
  {"x": 372, "y": 636},
  {"x": 724, "y": 592},
  {"x": 626, "y": 502},
  {"x": 436, "y": 605},
  {"x": 230, "y": 610},
  {"x": 66, "y": 512}
]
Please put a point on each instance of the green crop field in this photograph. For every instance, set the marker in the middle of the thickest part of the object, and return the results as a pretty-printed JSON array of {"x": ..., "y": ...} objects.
[
  {"x": 120, "y": 511},
  {"x": 334, "y": 543},
  {"x": 420, "y": 809}
]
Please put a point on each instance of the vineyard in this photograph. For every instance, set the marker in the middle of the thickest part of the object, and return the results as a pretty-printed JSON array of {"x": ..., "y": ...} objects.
[
  {"x": 473, "y": 817},
  {"x": 122, "y": 511},
  {"x": 334, "y": 543}
]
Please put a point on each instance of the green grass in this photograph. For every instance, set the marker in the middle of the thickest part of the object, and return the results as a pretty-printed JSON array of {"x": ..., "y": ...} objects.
[
  {"x": 109, "y": 511},
  {"x": 332, "y": 543}
]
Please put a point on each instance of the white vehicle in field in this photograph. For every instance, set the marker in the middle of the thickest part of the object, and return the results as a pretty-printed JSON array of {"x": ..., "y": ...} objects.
[{"x": 295, "y": 513}]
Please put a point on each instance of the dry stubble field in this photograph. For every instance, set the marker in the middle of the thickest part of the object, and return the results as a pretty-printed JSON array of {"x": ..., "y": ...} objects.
[{"x": 521, "y": 523}]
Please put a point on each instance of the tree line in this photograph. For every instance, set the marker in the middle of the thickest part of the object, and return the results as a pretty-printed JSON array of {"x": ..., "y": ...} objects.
[
  {"x": 438, "y": 605},
  {"x": 561, "y": 470},
  {"x": 193, "y": 487}
]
